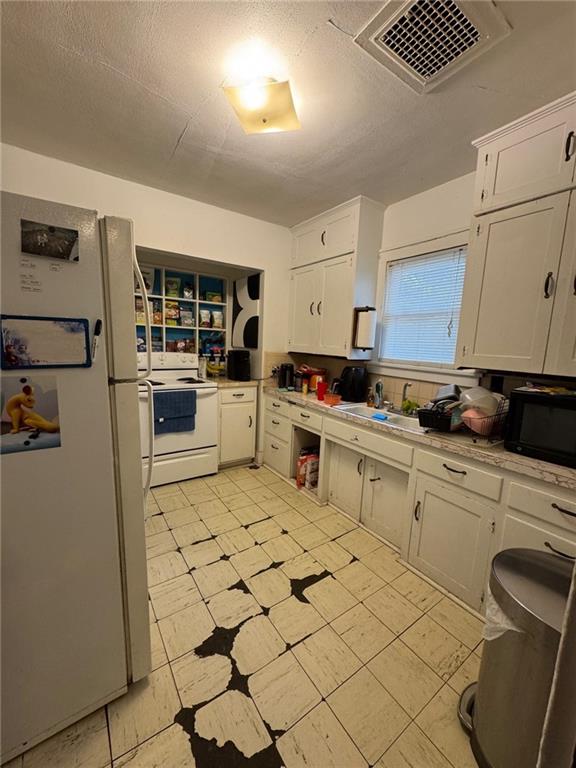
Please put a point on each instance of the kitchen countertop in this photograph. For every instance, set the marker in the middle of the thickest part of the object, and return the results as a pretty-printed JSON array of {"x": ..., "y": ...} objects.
[
  {"x": 459, "y": 443},
  {"x": 224, "y": 383}
]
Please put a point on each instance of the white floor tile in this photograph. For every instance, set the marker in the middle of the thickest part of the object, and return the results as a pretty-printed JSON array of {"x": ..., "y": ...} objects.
[
  {"x": 250, "y": 514},
  {"x": 412, "y": 749},
  {"x": 295, "y": 620},
  {"x": 200, "y": 679},
  {"x": 363, "y": 632},
  {"x": 181, "y": 517},
  {"x": 174, "y": 595},
  {"x": 384, "y": 563},
  {"x": 302, "y": 566},
  {"x": 250, "y": 561},
  {"x": 466, "y": 674},
  {"x": 458, "y": 621},
  {"x": 265, "y": 530},
  {"x": 191, "y": 533},
  {"x": 237, "y": 501},
  {"x": 274, "y": 505},
  {"x": 213, "y": 578},
  {"x": 226, "y": 489},
  {"x": 157, "y": 650},
  {"x": 165, "y": 567},
  {"x": 222, "y": 523},
  {"x": 359, "y": 542},
  {"x": 319, "y": 740},
  {"x": 199, "y": 495},
  {"x": 233, "y": 717},
  {"x": 168, "y": 749},
  {"x": 202, "y": 553},
  {"x": 359, "y": 580},
  {"x": 155, "y": 524},
  {"x": 335, "y": 524},
  {"x": 439, "y": 721},
  {"x": 159, "y": 544},
  {"x": 438, "y": 648},
  {"x": 392, "y": 609},
  {"x": 290, "y": 520},
  {"x": 211, "y": 508},
  {"x": 282, "y": 692},
  {"x": 186, "y": 630},
  {"x": 147, "y": 708},
  {"x": 282, "y": 548},
  {"x": 369, "y": 714},
  {"x": 270, "y": 587},
  {"x": 309, "y": 536},
  {"x": 161, "y": 491},
  {"x": 329, "y": 598},
  {"x": 332, "y": 556},
  {"x": 231, "y": 607},
  {"x": 256, "y": 644},
  {"x": 326, "y": 659},
  {"x": 83, "y": 744},
  {"x": 235, "y": 541},
  {"x": 172, "y": 502},
  {"x": 419, "y": 592}
]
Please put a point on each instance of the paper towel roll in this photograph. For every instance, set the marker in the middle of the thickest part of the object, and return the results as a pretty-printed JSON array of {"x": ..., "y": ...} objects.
[{"x": 365, "y": 328}]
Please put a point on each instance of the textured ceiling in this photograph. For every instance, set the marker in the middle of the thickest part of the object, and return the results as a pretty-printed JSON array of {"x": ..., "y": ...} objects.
[{"x": 133, "y": 89}]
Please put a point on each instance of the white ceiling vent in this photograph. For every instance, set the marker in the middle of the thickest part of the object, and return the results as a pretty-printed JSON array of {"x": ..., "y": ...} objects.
[{"x": 425, "y": 41}]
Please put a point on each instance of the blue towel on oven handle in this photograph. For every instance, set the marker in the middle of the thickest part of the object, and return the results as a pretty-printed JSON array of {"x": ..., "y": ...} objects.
[{"x": 174, "y": 411}]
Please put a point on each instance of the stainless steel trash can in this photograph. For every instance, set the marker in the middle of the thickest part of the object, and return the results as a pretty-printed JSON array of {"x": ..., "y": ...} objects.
[{"x": 508, "y": 709}]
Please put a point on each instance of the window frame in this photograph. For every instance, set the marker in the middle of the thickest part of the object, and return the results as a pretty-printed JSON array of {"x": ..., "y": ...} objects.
[{"x": 418, "y": 370}]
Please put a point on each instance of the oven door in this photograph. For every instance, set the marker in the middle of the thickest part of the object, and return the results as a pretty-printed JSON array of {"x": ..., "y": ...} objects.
[
  {"x": 204, "y": 434},
  {"x": 542, "y": 426}
]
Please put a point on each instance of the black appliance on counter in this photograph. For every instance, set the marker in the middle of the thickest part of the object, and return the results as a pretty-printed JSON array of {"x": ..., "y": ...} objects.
[
  {"x": 353, "y": 384},
  {"x": 542, "y": 424},
  {"x": 286, "y": 376},
  {"x": 239, "y": 365}
]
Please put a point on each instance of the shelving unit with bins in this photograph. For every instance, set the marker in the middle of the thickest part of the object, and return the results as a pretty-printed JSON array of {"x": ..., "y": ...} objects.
[{"x": 184, "y": 306}]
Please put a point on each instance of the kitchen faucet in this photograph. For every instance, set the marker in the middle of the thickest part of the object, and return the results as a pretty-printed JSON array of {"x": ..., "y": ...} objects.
[{"x": 405, "y": 389}]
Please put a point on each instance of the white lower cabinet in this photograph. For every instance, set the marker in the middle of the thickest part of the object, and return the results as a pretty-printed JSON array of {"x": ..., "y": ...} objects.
[
  {"x": 451, "y": 539},
  {"x": 536, "y": 535},
  {"x": 346, "y": 473},
  {"x": 277, "y": 454},
  {"x": 237, "y": 431},
  {"x": 384, "y": 498}
]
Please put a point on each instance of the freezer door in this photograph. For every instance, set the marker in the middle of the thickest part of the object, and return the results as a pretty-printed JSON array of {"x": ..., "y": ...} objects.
[
  {"x": 63, "y": 633},
  {"x": 126, "y": 436},
  {"x": 117, "y": 254}
]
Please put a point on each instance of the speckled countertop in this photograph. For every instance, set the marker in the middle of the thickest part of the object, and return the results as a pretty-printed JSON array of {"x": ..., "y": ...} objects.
[
  {"x": 460, "y": 443},
  {"x": 224, "y": 383}
]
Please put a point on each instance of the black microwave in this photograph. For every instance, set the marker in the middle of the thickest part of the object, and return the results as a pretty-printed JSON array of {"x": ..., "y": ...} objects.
[{"x": 542, "y": 424}]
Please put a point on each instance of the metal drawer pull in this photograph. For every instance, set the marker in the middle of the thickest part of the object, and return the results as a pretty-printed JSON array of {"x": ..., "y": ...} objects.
[
  {"x": 275, "y": 447},
  {"x": 238, "y": 394},
  {"x": 275, "y": 405},
  {"x": 568, "y": 147},
  {"x": 249, "y": 421},
  {"x": 276, "y": 422},
  {"x": 312, "y": 308},
  {"x": 318, "y": 306},
  {"x": 417, "y": 511},
  {"x": 574, "y": 285},
  {"x": 323, "y": 237},
  {"x": 456, "y": 471},
  {"x": 354, "y": 439},
  {"x": 558, "y": 552},
  {"x": 548, "y": 285},
  {"x": 374, "y": 479},
  {"x": 359, "y": 467},
  {"x": 564, "y": 511},
  {"x": 304, "y": 415}
]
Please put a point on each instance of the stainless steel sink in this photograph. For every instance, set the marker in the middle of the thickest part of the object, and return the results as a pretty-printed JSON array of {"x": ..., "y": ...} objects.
[{"x": 393, "y": 419}]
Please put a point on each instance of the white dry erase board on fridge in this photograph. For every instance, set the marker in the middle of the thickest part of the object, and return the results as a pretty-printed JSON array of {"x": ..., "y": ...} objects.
[{"x": 44, "y": 342}]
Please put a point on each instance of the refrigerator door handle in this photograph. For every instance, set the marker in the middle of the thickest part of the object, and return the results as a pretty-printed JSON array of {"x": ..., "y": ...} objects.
[
  {"x": 150, "y": 437},
  {"x": 148, "y": 328}
]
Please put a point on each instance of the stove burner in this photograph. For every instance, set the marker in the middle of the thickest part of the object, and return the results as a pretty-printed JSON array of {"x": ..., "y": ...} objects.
[{"x": 192, "y": 380}]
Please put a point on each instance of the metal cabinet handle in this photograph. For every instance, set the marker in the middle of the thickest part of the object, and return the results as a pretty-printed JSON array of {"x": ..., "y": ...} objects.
[
  {"x": 374, "y": 479},
  {"x": 275, "y": 405},
  {"x": 354, "y": 439},
  {"x": 275, "y": 447},
  {"x": 305, "y": 415},
  {"x": 238, "y": 394},
  {"x": 359, "y": 467},
  {"x": 249, "y": 421},
  {"x": 323, "y": 237},
  {"x": 558, "y": 552},
  {"x": 456, "y": 471},
  {"x": 276, "y": 422},
  {"x": 312, "y": 308},
  {"x": 548, "y": 285},
  {"x": 318, "y": 308},
  {"x": 564, "y": 511},
  {"x": 574, "y": 285},
  {"x": 568, "y": 147},
  {"x": 417, "y": 511}
]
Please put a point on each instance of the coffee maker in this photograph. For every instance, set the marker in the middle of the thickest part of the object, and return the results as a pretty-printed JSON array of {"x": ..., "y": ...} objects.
[
  {"x": 286, "y": 376},
  {"x": 353, "y": 384},
  {"x": 239, "y": 365}
]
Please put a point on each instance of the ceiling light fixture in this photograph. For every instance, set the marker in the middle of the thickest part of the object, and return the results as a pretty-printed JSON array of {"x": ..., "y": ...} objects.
[{"x": 258, "y": 89}]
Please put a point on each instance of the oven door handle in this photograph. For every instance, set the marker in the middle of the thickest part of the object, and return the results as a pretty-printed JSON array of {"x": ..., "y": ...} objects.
[{"x": 150, "y": 389}]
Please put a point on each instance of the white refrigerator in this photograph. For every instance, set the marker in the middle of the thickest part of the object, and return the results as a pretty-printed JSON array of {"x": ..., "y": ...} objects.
[{"x": 74, "y": 604}]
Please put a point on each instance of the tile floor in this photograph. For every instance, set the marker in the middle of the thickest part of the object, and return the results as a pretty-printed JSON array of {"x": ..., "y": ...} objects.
[{"x": 282, "y": 635}]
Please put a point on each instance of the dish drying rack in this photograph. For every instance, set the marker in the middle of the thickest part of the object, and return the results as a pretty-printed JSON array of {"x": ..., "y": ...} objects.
[{"x": 489, "y": 429}]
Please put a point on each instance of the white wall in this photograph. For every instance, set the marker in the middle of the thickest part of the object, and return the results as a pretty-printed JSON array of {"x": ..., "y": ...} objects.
[
  {"x": 167, "y": 222},
  {"x": 440, "y": 211}
]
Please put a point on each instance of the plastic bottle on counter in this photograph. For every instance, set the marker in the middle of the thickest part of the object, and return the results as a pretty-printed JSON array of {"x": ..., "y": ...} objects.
[
  {"x": 305, "y": 384},
  {"x": 222, "y": 365},
  {"x": 202, "y": 368}
]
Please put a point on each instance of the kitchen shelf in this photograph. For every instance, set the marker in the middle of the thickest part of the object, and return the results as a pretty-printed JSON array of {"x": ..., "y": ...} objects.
[{"x": 181, "y": 327}]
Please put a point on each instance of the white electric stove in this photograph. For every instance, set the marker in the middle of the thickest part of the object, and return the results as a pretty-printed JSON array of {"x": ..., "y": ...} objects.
[{"x": 181, "y": 456}]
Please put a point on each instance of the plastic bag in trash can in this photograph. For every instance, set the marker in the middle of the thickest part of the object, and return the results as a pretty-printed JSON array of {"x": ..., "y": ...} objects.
[{"x": 497, "y": 622}]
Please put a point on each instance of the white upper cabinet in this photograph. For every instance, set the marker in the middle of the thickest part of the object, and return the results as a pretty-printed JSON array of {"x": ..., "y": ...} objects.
[
  {"x": 335, "y": 268},
  {"x": 527, "y": 159},
  {"x": 561, "y": 350},
  {"x": 512, "y": 278}
]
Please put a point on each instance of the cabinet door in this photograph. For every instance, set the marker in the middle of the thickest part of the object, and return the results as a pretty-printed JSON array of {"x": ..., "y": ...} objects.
[
  {"x": 335, "y": 306},
  {"x": 237, "y": 432},
  {"x": 561, "y": 351},
  {"x": 450, "y": 539},
  {"x": 345, "y": 480},
  {"x": 307, "y": 245},
  {"x": 511, "y": 273},
  {"x": 384, "y": 498},
  {"x": 339, "y": 232},
  {"x": 535, "y": 160},
  {"x": 304, "y": 300}
]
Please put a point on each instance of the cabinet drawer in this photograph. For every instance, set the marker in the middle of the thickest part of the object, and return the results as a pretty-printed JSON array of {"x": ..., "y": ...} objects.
[
  {"x": 237, "y": 395},
  {"x": 277, "y": 454},
  {"x": 371, "y": 441},
  {"x": 306, "y": 418},
  {"x": 519, "y": 533},
  {"x": 278, "y": 426},
  {"x": 462, "y": 475},
  {"x": 547, "y": 507},
  {"x": 277, "y": 406}
]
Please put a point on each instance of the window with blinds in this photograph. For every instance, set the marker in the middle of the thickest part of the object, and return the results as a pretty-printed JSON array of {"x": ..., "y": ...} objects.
[{"x": 421, "y": 312}]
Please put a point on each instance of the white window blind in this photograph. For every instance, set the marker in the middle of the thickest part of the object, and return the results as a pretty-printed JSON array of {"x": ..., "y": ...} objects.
[{"x": 421, "y": 312}]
